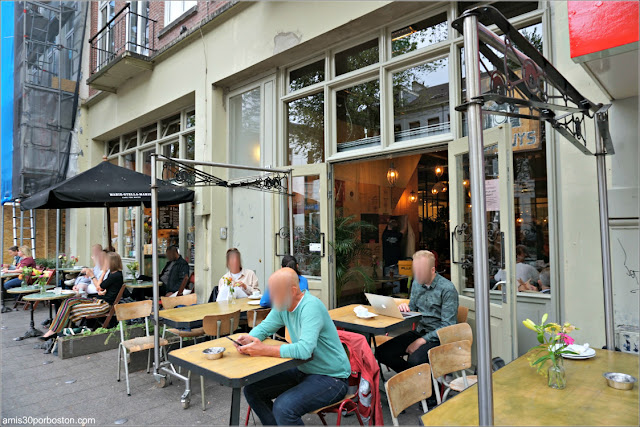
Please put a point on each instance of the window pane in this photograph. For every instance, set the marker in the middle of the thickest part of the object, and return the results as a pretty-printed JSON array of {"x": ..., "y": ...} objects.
[
  {"x": 416, "y": 36},
  {"x": 306, "y": 76},
  {"x": 170, "y": 125},
  {"x": 149, "y": 133},
  {"x": 130, "y": 140},
  {"x": 130, "y": 232},
  {"x": 170, "y": 150},
  {"x": 190, "y": 141},
  {"x": 421, "y": 101},
  {"x": 509, "y": 9},
  {"x": 306, "y": 130},
  {"x": 358, "y": 116},
  {"x": 191, "y": 119},
  {"x": 129, "y": 161},
  {"x": 244, "y": 115},
  {"x": 357, "y": 57},
  {"x": 113, "y": 146},
  {"x": 306, "y": 223},
  {"x": 146, "y": 161}
]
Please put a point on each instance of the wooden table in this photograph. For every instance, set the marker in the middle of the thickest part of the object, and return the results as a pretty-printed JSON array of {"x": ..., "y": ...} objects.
[
  {"x": 345, "y": 317},
  {"x": 234, "y": 370},
  {"x": 190, "y": 317},
  {"x": 136, "y": 285},
  {"x": 522, "y": 397},
  {"x": 26, "y": 292},
  {"x": 3, "y": 277}
]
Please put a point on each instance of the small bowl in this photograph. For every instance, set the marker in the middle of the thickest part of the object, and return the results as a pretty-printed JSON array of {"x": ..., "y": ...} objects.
[
  {"x": 213, "y": 353},
  {"x": 619, "y": 380}
]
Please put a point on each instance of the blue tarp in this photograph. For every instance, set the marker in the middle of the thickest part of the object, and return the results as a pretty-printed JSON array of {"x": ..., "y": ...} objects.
[{"x": 6, "y": 99}]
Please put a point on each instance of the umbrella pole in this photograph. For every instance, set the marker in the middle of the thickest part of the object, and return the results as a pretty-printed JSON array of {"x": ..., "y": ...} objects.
[
  {"x": 154, "y": 264},
  {"x": 290, "y": 204},
  {"x": 57, "y": 247},
  {"x": 478, "y": 221},
  {"x": 108, "y": 228}
]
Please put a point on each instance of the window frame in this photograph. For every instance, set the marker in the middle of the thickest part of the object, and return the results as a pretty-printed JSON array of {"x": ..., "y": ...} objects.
[{"x": 186, "y": 5}]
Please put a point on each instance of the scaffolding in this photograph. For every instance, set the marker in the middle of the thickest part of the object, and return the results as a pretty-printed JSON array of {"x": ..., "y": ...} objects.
[{"x": 48, "y": 46}]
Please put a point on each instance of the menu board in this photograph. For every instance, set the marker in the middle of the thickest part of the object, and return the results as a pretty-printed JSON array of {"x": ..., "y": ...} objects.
[{"x": 168, "y": 217}]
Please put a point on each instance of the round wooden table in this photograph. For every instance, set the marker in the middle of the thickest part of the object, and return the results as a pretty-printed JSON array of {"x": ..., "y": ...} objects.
[
  {"x": 3, "y": 277},
  {"x": 27, "y": 291}
]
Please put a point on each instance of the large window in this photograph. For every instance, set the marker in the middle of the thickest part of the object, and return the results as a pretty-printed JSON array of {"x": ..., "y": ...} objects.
[
  {"x": 421, "y": 100},
  {"x": 172, "y": 136},
  {"x": 305, "y": 129},
  {"x": 244, "y": 114},
  {"x": 358, "y": 116}
]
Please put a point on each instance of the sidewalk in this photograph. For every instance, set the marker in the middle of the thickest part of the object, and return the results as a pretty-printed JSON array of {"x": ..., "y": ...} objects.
[{"x": 33, "y": 389}]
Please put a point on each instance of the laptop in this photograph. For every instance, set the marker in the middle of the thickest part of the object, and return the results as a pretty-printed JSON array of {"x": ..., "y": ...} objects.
[{"x": 386, "y": 306}]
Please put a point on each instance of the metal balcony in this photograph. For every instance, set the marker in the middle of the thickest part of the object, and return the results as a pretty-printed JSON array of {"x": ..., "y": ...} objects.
[{"x": 121, "y": 49}]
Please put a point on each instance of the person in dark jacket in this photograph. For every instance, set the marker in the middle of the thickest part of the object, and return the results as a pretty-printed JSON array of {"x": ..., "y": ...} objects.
[{"x": 171, "y": 276}]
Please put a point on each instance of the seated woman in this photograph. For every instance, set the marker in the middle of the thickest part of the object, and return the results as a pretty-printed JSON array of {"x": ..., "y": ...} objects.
[
  {"x": 292, "y": 263},
  {"x": 86, "y": 286},
  {"x": 26, "y": 260},
  {"x": 243, "y": 281},
  {"x": 75, "y": 308}
]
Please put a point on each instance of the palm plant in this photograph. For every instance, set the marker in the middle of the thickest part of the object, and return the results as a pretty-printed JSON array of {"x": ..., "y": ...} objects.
[{"x": 348, "y": 249}]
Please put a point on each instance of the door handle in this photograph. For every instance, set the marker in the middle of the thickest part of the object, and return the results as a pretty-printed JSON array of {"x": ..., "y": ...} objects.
[
  {"x": 504, "y": 289},
  {"x": 322, "y": 237}
]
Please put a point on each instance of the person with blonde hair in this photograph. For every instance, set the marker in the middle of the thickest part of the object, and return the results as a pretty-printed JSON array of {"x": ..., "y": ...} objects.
[
  {"x": 75, "y": 308},
  {"x": 26, "y": 260},
  {"x": 437, "y": 300}
]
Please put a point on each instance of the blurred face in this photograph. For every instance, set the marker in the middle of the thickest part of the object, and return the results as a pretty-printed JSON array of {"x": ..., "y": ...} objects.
[
  {"x": 13, "y": 253},
  {"x": 172, "y": 255},
  {"x": 281, "y": 296},
  {"x": 20, "y": 254},
  {"x": 423, "y": 270},
  {"x": 234, "y": 263}
]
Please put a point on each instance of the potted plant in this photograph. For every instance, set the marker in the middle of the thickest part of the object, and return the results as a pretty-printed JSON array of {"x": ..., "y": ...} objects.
[
  {"x": 133, "y": 267},
  {"x": 554, "y": 340},
  {"x": 348, "y": 249}
]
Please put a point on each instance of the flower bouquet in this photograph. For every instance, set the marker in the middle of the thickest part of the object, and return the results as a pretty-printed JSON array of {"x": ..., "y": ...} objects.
[
  {"x": 232, "y": 296},
  {"x": 25, "y": 276},
  {"x": 554, "y": 340},
  {"x": 73, "y": 260},
  {"x": 62, "y": 260},
  {"x": 41, "y": 281},
  {"x": 133, "y": 268}
]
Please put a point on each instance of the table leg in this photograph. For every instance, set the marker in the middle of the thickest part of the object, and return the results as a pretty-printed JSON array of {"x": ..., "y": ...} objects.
[
  {"x": 50, "y": 319},
  {"x": 234, "y": 419},
  {"x": 372, "y": 340},
  {"x": 2, "y": 295},
  {"x": 32, "y": 332}
]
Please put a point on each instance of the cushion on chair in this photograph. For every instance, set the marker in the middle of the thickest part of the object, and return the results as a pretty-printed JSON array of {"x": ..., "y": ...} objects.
[
  {"x": 458, "y": 383},
  {"x": 184, "y": 334},
  {"x": 141, "y": 343}
]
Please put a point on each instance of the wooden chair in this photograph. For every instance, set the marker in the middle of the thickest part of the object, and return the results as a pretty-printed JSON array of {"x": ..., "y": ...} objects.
[
  {"x": 218, "y": 325},
  {"x": 463, "y": 313},
  {"x": 109, "y": 316},
  {"x": 172, "y": 302},
  {"x": 449, "y": 358},
  {"x": 255, "y": 317},
  {"x": 459, "y": 332},
  {"x": 408, "y": 388},
  {"x": 135, "y": 310}
]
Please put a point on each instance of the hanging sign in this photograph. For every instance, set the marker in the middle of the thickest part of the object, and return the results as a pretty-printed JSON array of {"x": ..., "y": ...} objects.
[{"x": 492, "y": 195}]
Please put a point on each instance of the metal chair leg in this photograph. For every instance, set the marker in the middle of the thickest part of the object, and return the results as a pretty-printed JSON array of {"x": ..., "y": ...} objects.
[
  {"x": 246, "y": 421},
  {"x": 126, "y": 370},
  {"x": 149, "y": 361},
  {"x": 119, "y": 361},
  {"x": 202, "y": 392}
]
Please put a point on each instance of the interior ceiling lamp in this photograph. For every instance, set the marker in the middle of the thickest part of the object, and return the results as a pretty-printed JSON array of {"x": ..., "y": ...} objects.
[
  {"x": 413, "y": 197},
  {"x": 392, "y": 175},
  {"x": 439, "y": 171},
  {"x": 439, "y": 187}
]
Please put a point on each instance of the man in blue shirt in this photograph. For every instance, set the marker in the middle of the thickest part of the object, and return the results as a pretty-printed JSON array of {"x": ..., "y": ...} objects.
[
  {"x": 321, "y": 381},
  {"x": 437, "y": 299}
]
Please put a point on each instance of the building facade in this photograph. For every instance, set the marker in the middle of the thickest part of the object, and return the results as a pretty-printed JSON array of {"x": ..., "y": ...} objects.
[{"x": 360, "y": 104}]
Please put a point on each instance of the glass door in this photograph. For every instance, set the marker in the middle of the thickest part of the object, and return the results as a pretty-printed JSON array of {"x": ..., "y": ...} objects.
[
  {"x": 501, "y": 235},
  {"x": 310, "y": 227}
]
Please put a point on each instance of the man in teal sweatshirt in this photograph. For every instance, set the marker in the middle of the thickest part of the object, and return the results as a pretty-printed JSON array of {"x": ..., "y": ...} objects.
[{"x": 321, "y": 381}]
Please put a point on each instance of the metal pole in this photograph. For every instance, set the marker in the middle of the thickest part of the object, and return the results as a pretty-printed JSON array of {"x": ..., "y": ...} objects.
[
  {"x": 605, "y": 242},
  {"x": 478, "y": 221},
  {"x": 57, "y": 247},
  {"x": 290, "y": 204},
  {"x": 154, "y": 264},
  {"x": 223, "y": 165}
]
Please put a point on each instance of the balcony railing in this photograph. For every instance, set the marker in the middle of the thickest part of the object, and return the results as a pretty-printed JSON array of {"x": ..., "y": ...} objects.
[{"x": 127, "y": 31}]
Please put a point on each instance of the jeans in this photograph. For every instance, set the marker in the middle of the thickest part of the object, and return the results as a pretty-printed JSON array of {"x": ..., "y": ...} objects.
[
  {"x": 13, "y": 283},
  {"x": 393, "y": 351},
  {"x": 295, "y": 394},
  {"x": 396, "y": 272}
]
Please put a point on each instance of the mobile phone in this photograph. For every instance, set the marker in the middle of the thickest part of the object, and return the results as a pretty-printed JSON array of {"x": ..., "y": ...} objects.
[{"x": 234, "y": 341}]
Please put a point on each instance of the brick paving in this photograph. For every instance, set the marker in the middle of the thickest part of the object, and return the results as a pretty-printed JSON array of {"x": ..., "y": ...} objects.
[{"x": 33, "y": 389}]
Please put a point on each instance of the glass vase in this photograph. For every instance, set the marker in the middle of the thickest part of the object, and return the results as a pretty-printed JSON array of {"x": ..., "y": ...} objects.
[
  {"x": 232, "y": 297},
  {"x": 557, "y": 375}
]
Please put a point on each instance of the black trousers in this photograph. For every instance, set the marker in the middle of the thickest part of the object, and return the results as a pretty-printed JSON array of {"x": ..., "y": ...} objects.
[{"x": 393, "y": 351}]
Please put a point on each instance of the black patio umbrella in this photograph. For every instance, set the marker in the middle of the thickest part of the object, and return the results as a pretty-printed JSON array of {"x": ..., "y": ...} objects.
[{"x": 106, "y": 185}]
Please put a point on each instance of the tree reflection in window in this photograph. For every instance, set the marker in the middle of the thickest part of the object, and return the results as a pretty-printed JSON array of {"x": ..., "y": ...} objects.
[{"x": 306, "y": 130}]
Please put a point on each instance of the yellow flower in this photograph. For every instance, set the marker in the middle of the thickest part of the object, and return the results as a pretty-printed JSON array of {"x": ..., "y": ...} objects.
[
  {"x": 529, "y": 324},
  {"x": 568, "y": 328},
  {"x": 553, "y": 327},
  {"x": 544, "y": 318}
]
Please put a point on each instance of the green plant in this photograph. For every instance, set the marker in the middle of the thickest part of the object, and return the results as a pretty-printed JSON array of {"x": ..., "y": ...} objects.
[
  {"x": 46, "y": 262},
  {"x": 348, "y": 249}
]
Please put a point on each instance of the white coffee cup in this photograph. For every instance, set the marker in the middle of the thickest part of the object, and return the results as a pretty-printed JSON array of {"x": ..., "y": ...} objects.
[{"x": 255, "y": 293}]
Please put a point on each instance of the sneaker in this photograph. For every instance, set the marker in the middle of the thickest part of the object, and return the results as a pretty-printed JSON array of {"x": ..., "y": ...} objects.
[{"x": 70, "y": 282}]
